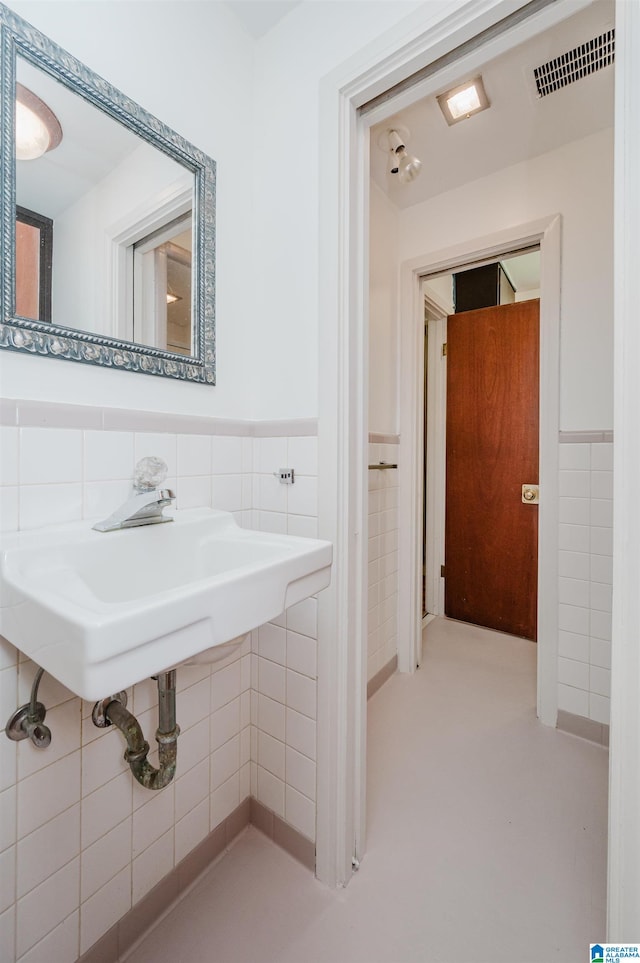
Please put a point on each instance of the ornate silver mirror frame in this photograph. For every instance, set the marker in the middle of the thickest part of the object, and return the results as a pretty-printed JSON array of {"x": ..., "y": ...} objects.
[{"x": 19, "y": 38}]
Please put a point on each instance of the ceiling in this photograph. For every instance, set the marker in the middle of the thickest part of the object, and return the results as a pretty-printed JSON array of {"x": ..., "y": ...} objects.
[
  {"x": 259, "y": 16},
  {"x": 517, "y": 126}
]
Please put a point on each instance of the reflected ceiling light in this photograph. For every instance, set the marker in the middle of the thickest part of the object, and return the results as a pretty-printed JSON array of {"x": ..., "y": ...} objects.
[
  {"x": 463, "y": 101},
  {"x": 405, "y": 165},
  {"x": 37, "y": 127}
]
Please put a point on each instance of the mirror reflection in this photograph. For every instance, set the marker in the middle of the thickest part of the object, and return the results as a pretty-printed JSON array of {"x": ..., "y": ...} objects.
[{"x": 104, "y": 222}]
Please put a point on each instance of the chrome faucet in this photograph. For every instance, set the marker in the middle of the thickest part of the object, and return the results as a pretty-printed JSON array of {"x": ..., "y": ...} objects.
[{"x": 145, "y": 506}]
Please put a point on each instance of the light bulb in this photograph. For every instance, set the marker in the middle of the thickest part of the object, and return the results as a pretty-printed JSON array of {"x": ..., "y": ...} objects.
[
  {"x": 32, "y": 136},
  {"x": 408, "y": 168}
]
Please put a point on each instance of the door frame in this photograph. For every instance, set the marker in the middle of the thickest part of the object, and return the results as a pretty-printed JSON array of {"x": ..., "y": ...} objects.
[
  {"x": 546, "y": 233},
  {"x": 431, "y": 32}
]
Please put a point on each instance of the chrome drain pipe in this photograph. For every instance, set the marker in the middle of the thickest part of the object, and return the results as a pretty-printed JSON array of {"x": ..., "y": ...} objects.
[{"x": 113, "y": 711}]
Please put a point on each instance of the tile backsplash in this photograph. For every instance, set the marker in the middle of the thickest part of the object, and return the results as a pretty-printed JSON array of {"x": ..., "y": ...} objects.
[
  {"x": 585, "y": 578},
  {"x": 80, "y": 841}
]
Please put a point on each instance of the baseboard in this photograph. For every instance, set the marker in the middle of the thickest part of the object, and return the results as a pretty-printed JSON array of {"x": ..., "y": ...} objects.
[
  {"x": 596, "y": 732},
  {"x": 288, "y": 838},
  {"x": 379, "y": 679},
  {"x": 148, "y": 911}
]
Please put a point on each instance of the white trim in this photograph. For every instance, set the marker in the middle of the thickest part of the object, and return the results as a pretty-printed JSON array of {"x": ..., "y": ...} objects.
[
  {"x": 436, "y": 388},
  {"x": 430, "y": 32},
  {"x": 546, "y": 232},
  {"x": 623, "y": 921}
]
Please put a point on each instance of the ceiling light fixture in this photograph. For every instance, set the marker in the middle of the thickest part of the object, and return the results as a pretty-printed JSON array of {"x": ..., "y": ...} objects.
[
  {"x": 37, "y": 127},
  {"x": 463, "y": 101},
  {"x": 405, "y": 165}
]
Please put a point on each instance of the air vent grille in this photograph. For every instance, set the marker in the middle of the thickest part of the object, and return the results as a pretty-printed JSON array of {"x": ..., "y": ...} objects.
[{"x": 575, "y": 64}]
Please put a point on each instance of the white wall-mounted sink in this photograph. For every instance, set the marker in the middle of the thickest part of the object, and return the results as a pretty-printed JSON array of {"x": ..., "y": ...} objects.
[{"x": 100, "y": 612}]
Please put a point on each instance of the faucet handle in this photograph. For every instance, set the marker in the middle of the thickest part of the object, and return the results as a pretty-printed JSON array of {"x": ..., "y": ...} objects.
[{"x": 149, "y": 473}]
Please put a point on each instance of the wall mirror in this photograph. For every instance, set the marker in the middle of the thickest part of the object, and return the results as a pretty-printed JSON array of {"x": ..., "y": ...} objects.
[{"x": 107, "y": 221}]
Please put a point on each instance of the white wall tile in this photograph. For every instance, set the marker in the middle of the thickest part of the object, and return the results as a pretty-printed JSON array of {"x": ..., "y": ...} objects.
[
  {"x": 602, "y": 569},
  {"x": 573, "y": 700},
  {"x": 573, "y": 673},
  {"x": 271, "y": 717},
  {"x": 8, "y": 455},
  {"x": 102, "y": 760},
  {"x": 573, "y": 591},
  {"x": 7, "y": 878},
  {"x": 599, "y": 708},
  {"x": 271, "y": 754},
  {"x": 108, "y": 456},
  {"x": 225, "y": 723},
  {"x": 41, "y": 505},
  {"x": 602, "y": 456},
  {"x": 64, "y": 721},
  {"x": 104, "y": 859},
  {"x": 9, "y": 509},
  {"x": 225, "y": 761},
  {"x": 272, "y": 495},
  {"x": 8, "y": 832},
  {"x": 270, "y": 454},
  {"x": 301, "y": 654},
  {"x": 194, "y": 455},
  {"x": 602, "y": 484},
  {"x": 104, "y": 908},
  {"x": 275, "y": 522},
  {"x": 46, "y": 906},
  {"x": 153, "y": 818},
  {"x": 303, "y": 455},
  {"x": 600, "y": 653},
  {"x": 301, "y": 773},
  {"x": 227, "y": 455},
  {"x": 272, "y": 643},
  {"x": 302, "y": 526},
  {"x": 157, "y": 445},
  {"x": 271, "y": 791},
  {"x": 62, "y": 943},
  {"x": 271, "y": 680},
  {"x": 226, "y": 493},
  {"x": 300, "y": 812},
  {"x": 224, "y": 800},
  {"x": 601, "y": 541},
  {"x": 106, "y": 808},
  {"x": 602, "y": 512},
  {"x": 48, "y": 849},
  {"x": 600, "y": 625},
  {"x": 8, "y": 763},
  {"x": 100, "y": 499},
  {"x": 301, "y": 693},
  {"x": 193, "y": 704},
  {"x": 571, "y": 618},
  {"x": 572, "y": 646},
  {"x": 600, "y": 680},
  {"x": 225, "y": 685},
  {"x": 600, "y": 596},
  {"x": 191, "y": 789},
  {"x": 50, "y": 455},
  {"x": 194, "y": 746},
  {"x": 48, "y": 792},
  {"x": 191, "y": 830},
  {"x": 151, "y": 865},
  {"x": 8, "y": 934},
  {"x": 574, "y": 538},
  {"x": 574, "y": 511},
  {"x": 577, "y": 457},
  {"x": 574, "y": 484},
  {"x": 193, "y": 492},
  {"x": 303, "y": 496}
]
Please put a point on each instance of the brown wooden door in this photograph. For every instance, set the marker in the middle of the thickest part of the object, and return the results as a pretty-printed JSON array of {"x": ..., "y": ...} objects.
[{"x": 491, "y": 537}]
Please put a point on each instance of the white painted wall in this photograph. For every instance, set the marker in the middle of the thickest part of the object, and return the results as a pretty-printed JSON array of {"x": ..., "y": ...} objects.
[
  {"x": 314, "y": 39},
  {"x": 158, "y": 54},
  {"x": 383, "y": 313},
  {"x": 575, "y": 181}
]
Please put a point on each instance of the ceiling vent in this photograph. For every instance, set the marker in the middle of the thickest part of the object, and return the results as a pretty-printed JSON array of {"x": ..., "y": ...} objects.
[{"x": 575, "y": 64}]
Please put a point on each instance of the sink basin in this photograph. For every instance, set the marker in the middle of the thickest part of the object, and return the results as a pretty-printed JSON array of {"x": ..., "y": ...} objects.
[{"x": 100, "y": 612}]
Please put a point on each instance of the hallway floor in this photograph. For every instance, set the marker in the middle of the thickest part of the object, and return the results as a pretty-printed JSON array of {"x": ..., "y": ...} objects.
[{"x": 486, "y": 836}]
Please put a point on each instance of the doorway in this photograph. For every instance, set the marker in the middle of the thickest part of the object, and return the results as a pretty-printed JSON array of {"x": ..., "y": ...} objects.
[{"x": 486, "y": 502}]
